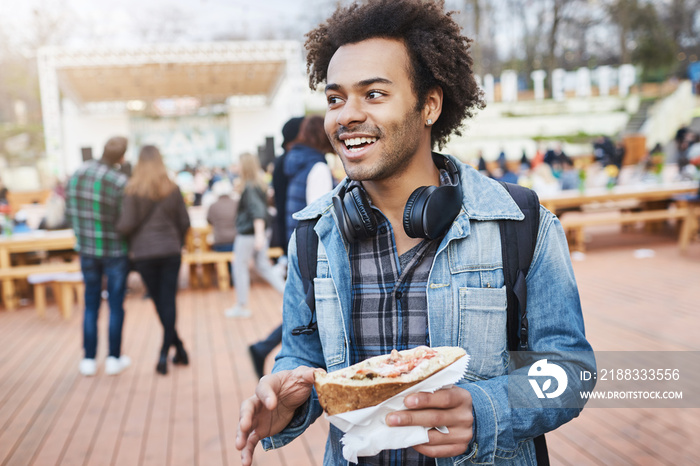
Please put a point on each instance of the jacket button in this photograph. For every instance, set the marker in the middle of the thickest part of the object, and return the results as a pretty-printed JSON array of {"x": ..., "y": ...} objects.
[{"x": 399, "y": 295}]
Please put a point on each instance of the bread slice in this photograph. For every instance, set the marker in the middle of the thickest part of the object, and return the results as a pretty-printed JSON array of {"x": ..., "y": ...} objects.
[{"x": 377, "y": 379}]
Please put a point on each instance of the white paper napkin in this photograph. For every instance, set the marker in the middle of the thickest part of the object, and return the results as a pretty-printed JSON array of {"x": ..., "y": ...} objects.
[{"x": 366, "y": 433}]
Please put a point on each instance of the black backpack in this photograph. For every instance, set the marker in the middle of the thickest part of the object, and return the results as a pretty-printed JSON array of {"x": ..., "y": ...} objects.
[{"x": 518, "y": 239}]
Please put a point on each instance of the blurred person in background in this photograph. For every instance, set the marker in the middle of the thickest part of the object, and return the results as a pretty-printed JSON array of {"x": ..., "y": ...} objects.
[
  {"x": 251, "y": 241},
  {"x": 200, "y": 184},
  {"x": 55, "y": 218},
  {"x": 221, "y": 215},
  {"x": 3, "y": 194},
  {"x": 557, "y": 159},
  {"x": 20, "y": 222},
  {"x": 155, "y": 219},
  {"x": 290, "y": 131},
  {"x": 308, "y": 174},
  {"x": 308, "y": 178},
  {"x": 93, "y": 204}
]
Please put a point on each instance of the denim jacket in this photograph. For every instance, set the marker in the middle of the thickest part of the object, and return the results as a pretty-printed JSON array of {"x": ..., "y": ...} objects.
[{"x": 466, "y": 307}]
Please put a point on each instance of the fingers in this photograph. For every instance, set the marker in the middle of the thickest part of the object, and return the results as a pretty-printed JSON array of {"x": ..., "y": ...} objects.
[
  {"x": 306, "y": 374},
  {"x": 247, "y": 452},
  {"x": 440, "y": 445},
  {"x": 430, "y": 418},
  {"x": 249, "y": 409},
  {"x": 442, "y": 399},
  {"x": 267, "y": 390},
  {"x": 441, "y": 451}
]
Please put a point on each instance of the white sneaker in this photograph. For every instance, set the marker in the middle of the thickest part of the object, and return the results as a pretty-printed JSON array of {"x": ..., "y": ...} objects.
[
  {"x": 88, "y": 367},
  {"x": 237, "y": 311},
  {"x": 114, "y": 366}
]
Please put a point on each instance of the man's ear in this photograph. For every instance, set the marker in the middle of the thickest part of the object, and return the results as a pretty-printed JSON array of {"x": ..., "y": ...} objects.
[{"x": 433, "y": 106}]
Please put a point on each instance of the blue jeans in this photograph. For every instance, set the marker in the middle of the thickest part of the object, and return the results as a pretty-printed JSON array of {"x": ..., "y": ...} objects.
[{"x": 116, "y": 270}]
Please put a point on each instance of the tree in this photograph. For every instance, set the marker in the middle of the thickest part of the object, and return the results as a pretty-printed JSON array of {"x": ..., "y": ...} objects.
[{"x": 655, "y": 48}]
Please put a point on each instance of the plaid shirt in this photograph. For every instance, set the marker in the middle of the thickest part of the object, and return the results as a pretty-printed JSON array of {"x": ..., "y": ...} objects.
[
  {"x": 93, "y": 203},
  {"x": 389, "y": 308}
]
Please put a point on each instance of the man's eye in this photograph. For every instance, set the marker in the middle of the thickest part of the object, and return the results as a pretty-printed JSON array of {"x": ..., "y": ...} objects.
[
  {"x": 374, "y": 94},
  {"x": 333, "y": 99}
]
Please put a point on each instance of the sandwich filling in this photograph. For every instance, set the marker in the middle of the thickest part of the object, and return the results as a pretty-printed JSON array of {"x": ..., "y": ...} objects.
[{"x": 394, "y": 365}]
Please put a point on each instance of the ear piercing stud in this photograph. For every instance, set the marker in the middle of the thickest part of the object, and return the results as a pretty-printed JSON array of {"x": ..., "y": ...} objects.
[{"x": 429, "y": 122}]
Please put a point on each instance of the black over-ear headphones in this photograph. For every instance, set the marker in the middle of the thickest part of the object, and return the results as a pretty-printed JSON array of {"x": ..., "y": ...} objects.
[{"x": 429, "y": 211}]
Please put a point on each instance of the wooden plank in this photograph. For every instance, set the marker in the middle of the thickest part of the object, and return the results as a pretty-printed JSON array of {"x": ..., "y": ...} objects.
[
  {"x": 228, "y": 399},
  {"x": 136, "y": 342},
  {"x": 35, "y": 406},
  {"x": 27, "y": 449},
  {"x": 629, "y": 304},
  {"x": 596, "y": 442},
  {"x": 27, "y": 332},
  {"x": 587, "y": 219},
  {"x": 183, "y": 446},
  {"x": 55, "y": 445},
  {"x": 137, "y": 412},
  {"x": 210, "y": 449},
  {"x": 23, "y": 271},
  {"x": 26, "y": 391}
]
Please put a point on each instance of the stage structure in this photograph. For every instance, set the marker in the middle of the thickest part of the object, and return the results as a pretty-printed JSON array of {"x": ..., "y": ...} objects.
[{"x": 91, "y": 94}]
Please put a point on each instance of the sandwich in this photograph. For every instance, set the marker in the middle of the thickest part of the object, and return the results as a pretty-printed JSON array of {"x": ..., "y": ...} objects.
[{"x": 377, "y": 379}]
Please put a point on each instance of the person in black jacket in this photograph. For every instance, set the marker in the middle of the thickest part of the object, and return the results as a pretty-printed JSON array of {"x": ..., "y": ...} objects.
[
  {"x": 155, "y": 219},
  {"x": 290, "y": 131},
  {"x": 307, "y": 177}
]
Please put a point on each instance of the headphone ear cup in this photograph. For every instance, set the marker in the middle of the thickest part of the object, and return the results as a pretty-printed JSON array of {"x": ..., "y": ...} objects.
[
  {"x": 362, "y": 220},
  {"x": 343, "y": 220},
  {"x": 413, "y": 212}
]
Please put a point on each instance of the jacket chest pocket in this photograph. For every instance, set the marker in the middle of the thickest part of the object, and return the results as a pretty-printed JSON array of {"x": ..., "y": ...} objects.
[
  {"x": 482, "y": 330},
  {"x": 330, "y": 322}
]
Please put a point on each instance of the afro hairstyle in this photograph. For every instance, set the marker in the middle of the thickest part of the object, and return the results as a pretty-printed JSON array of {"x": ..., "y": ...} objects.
[{"x": 439, "y": 54}]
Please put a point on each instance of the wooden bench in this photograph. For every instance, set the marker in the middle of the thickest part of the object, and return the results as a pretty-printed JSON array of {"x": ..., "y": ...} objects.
[
  {"x": 574, "y": 224},
  {"x": 691, "y": 224},
  {"x": 23, "y": 272},
  {"x": 220, "y": 261},
  {"x": 68, "y": 289}
]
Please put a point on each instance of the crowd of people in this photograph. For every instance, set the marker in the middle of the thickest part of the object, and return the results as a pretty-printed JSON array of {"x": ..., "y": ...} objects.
[
  {"x": 551, "y": 170},
  {"x": 136, "y": 220}
]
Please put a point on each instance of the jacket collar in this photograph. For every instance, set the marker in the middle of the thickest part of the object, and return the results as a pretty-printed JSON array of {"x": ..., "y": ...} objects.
[{"x": 482, "y": 199}]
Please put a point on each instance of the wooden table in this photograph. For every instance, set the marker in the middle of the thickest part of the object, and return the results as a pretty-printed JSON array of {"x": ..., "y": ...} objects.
[
  {"x": 29, "y": 242},
  {"x": 644, "y": 193},
  {"x": 650, "y": 202}
]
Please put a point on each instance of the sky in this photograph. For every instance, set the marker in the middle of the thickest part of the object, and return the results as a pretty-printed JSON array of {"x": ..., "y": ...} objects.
[
  {"x": 130, "y": 22},
  {"x": 134, "y": 22}
]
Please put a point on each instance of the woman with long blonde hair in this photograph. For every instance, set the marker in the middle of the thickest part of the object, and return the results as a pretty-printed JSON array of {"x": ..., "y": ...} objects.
[
  {"x": 251, "y": 241},
  {"x": 154, "y": 218}
]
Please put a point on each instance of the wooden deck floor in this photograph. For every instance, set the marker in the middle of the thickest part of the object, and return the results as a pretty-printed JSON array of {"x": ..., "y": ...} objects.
[{"x": 49, "y": 414}]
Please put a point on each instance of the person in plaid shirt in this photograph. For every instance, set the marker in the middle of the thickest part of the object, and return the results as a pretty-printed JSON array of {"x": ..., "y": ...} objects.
[
  {"x": 410, "y": 253},
  {"x": 93, "y": 204}
]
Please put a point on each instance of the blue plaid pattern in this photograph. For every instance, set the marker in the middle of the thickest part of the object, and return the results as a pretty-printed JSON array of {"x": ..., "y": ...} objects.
[{"x": 389, "y": 309}]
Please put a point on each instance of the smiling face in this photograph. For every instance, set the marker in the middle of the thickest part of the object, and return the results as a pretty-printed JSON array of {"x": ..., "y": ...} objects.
[{"x": 371, "y": 119}]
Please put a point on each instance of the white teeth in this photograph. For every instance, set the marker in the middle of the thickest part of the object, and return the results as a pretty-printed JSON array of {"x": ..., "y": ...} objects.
[{"x": 357, "y": 141}]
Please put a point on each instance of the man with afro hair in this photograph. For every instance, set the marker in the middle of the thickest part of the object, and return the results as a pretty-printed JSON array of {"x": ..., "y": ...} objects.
[{"x": 410, "y": 253}]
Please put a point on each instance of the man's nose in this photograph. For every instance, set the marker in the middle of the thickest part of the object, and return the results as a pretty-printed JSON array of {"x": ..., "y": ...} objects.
[{"x": 351, "y": 114}]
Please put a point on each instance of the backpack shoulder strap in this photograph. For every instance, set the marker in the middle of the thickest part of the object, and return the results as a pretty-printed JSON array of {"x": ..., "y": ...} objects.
[
  {"x": 518, "y": 240},
  {"x": 307, "y": 254}
]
